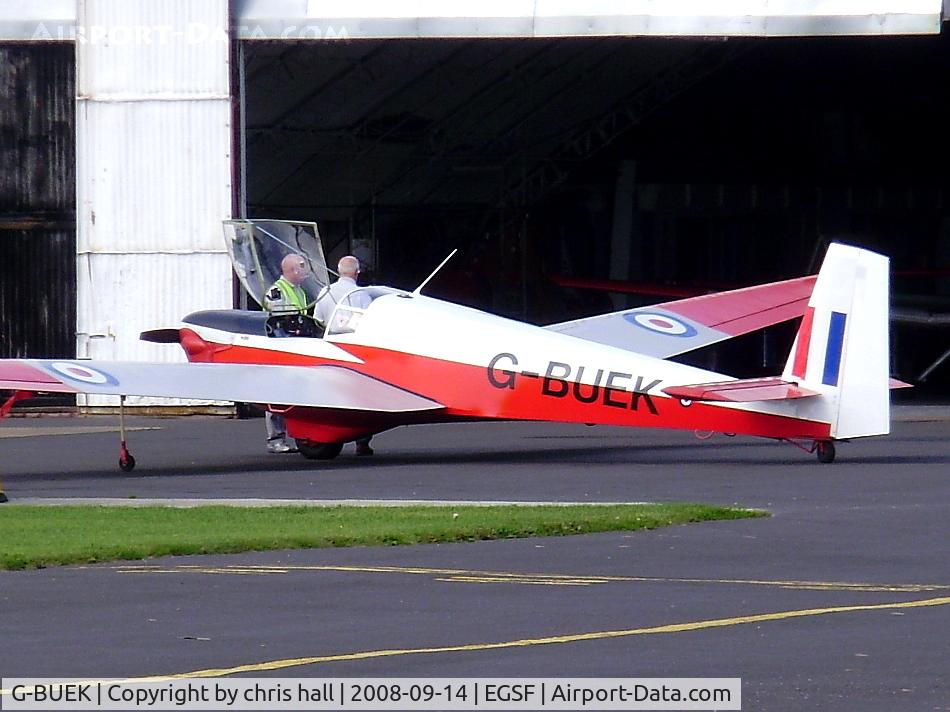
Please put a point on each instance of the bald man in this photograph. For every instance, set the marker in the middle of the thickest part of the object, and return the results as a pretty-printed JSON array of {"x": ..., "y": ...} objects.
[
  {"x": 286, "y": 296},
  {"x": 349, "y": 269},
  {"x": 344, "y": 288}
]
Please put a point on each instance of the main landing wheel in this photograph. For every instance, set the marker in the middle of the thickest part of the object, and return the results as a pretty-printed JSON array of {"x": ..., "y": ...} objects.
[
  {"x": 319, "y": 451},
  {"x": 825, "y": 451}
]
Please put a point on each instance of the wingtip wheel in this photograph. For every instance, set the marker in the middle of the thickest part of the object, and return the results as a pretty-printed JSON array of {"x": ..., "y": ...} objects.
[
  {"x": 825, "y": 451},
  {"x": 126, "y": 461}
]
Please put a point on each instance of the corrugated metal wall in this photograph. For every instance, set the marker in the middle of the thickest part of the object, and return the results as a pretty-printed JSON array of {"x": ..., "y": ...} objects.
[
  {"x": 154, "y": 166},
  {"x": 37, "y": 201}
]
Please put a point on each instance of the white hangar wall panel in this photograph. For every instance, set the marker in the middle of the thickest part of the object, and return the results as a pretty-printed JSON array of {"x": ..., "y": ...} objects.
[
  {"x": 122, "y": 312},
  {"x": 334, "y": 19},
  {"x": 37, "y": 20},
  {"x": 154, "y": 176},
  {"x": 154, "y": 173},
  {"x": 142, "y": 48}
]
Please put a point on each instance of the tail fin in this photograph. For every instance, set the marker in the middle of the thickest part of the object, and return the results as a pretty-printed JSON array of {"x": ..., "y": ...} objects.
[{"x": 842, "y": 345}]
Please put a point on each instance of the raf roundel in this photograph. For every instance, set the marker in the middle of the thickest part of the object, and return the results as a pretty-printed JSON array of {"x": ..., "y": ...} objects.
[
  {"x": 83, "y": 374},
  {"x": 661, "y": 324}
]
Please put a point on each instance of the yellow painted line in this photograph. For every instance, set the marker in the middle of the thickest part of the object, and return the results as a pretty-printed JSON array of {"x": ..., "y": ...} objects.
[
  {"x": 462, "y": 575},
  {"x": 203, "y": 570},
  {"x": 523, "y": 581},
  {"x": 529, "y": 642}
]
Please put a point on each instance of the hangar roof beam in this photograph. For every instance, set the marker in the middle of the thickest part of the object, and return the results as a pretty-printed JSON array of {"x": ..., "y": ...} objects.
[
  {"x": 463, "y": 135},
  {"x": 45, "y": 20},
  {"x": 526, "y": 189},
  {"x": 417, "y": 79},
  {"x": 579, "y": 78},
  {"x": 276, "y": 19},
  {"x": 364, "y": 120},
  {"x": 355, "y": 66}
]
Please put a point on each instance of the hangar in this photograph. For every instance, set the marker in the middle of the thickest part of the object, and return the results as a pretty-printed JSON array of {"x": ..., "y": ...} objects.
[{"x": 569, "y": 149}]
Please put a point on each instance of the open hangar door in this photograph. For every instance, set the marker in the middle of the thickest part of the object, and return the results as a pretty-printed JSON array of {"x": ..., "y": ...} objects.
[
  {"x": 37, "y": 205},
  {"x": 37, "y": 202},
  {"x": 676, "y": 164}
]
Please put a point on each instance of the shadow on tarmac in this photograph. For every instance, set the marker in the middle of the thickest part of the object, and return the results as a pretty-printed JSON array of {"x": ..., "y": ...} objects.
[{"x": 381, "y": 462}]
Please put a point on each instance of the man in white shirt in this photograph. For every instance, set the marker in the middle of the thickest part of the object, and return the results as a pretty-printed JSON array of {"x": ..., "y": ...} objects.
[
  {"x": 348, "y": 269},
  {"x": 344, "y": 289}
]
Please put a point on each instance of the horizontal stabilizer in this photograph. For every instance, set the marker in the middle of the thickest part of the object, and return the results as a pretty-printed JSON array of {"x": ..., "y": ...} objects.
[
  {"x": 333, "y": 387},
  {"x": 161, "y": 336},
  {"x": 741, "y": 391}
]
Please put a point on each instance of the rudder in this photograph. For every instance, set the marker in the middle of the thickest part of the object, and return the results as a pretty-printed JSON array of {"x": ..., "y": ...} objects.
[{"x": 842, "y": 346}]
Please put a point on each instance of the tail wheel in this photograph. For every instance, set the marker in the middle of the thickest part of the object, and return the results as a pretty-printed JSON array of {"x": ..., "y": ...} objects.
[
  {"x": 825, "y": 451},
  {"x": 319, "y": 451}
]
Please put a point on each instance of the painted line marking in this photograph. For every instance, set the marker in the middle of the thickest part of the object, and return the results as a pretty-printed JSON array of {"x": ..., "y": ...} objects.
[
  {"x": 475, "y": 576},
  {"x": 541, "y": 581},
  {"x": 257, "y": 502},
  {"x": 529, "y": 642},
  {"x": 14, "y": 431}
]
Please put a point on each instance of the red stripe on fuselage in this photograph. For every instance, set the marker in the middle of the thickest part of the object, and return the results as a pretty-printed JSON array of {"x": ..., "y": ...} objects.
[
  {"x": 468, "y": 392},
  {"x": 227, "y": 353}
]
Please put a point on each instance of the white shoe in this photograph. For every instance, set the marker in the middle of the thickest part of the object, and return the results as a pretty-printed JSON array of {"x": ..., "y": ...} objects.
[{"x": 279, "y": 446}]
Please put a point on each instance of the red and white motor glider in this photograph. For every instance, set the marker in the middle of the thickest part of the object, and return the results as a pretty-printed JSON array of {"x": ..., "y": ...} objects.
[{"x": 408, "y": 358}]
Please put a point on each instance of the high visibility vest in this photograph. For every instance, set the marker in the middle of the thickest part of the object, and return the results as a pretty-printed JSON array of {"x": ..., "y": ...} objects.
[{"x": 293, "y": 300}]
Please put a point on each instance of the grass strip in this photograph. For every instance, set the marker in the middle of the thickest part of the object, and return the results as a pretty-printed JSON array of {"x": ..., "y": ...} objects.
[{"x": 33, "y": 537}]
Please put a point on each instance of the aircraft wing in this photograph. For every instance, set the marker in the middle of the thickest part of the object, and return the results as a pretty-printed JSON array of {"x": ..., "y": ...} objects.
[
  {"x": 673, "y": 328},
  {"x": 310, "y": 386}
]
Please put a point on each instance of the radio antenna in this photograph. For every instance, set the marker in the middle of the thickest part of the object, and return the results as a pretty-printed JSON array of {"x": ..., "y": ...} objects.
[{"x": 418, "y": 290}]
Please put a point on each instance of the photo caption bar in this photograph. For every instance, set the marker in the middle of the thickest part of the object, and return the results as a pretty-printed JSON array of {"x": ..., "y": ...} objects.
[{"x": 376, "y": 693}]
